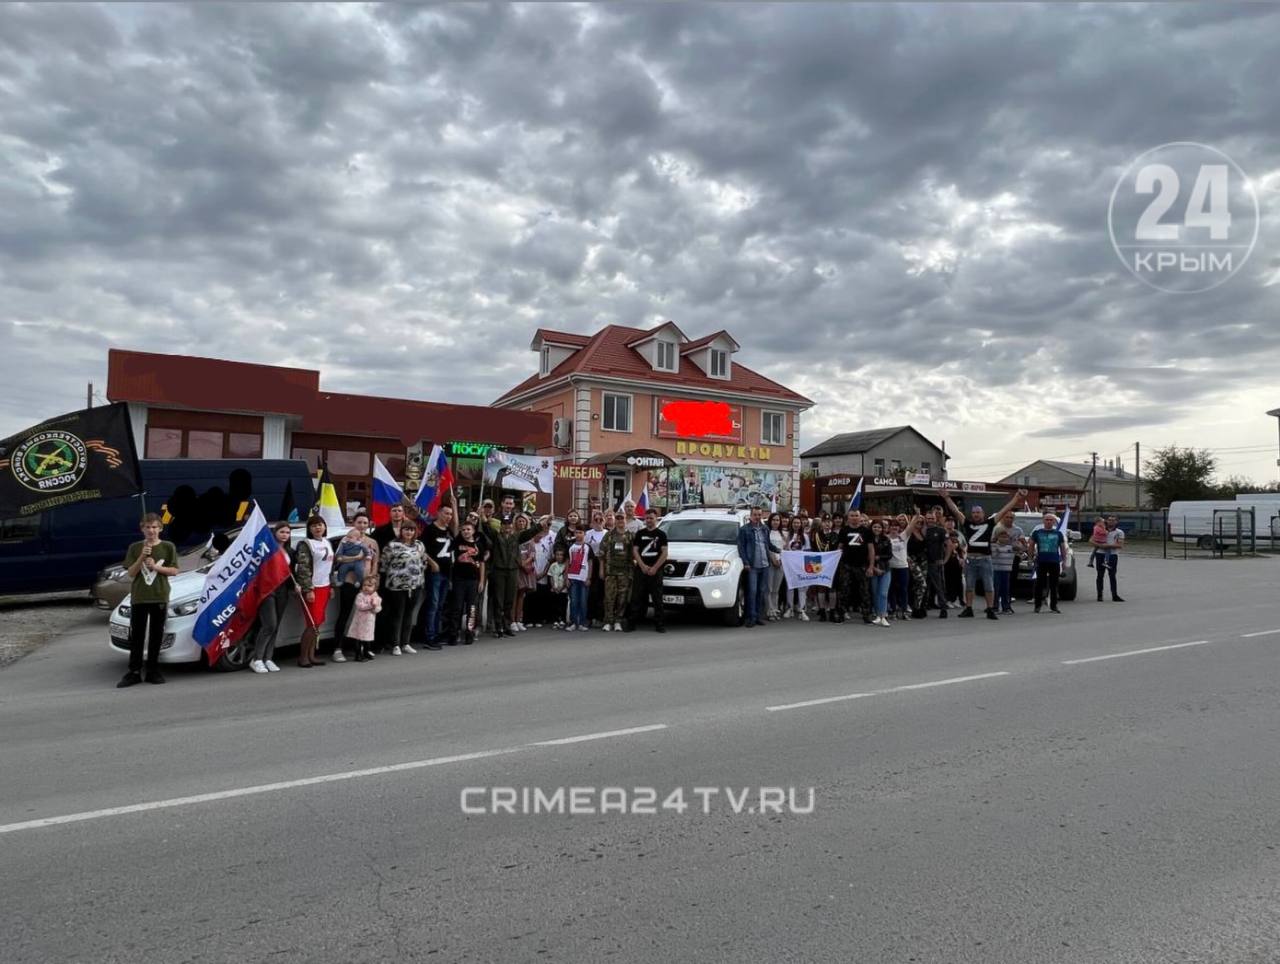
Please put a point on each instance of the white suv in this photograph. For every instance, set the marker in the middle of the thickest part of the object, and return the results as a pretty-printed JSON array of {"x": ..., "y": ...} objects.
[{"x": 703, "y": 570}]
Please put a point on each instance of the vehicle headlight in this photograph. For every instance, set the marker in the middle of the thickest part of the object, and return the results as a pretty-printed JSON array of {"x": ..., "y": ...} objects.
[
  {"x": 124, "y": 610},
  {"x": 185, "y": 608},
  {"x": 718, "y": 567}
]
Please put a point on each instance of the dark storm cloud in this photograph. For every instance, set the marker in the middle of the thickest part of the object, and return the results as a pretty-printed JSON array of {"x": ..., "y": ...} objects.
[{"x": 907, "y": 197}]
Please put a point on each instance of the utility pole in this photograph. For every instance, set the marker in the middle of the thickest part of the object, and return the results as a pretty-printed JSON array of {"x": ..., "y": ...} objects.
[
  {"x": 1095, "y": 482},
  {"x": 89, "y": 397},
  {"x": 1137, "y": 475}
]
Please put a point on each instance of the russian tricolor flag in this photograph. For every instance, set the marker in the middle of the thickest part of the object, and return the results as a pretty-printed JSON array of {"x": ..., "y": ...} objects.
[
  {"x": 437, "y": 478},
  {"x": 246, "y": 574},
  {"x": 642, "y": 504},
  {"x": 856, "y": 502},
  {"x": 386, "y": 493}
]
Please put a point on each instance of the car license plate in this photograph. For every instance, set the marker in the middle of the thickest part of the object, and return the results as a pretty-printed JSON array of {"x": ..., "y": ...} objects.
[
  {"x": 120, "y": 633},
  {"x": 673, "y": 600}
]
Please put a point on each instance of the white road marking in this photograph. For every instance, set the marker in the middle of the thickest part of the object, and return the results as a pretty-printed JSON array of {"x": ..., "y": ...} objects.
[
  {"x": 1265, "y": 632},
  {"x": 601, "y": 736},
  {"x": 308, "y": 781},
  {"x": 892, "y": 689},
  {"x": 1136, "y": 652}
]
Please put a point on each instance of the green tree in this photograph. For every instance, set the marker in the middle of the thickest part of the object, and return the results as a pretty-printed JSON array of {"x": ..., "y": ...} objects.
[
  {"x": 1175, "y": 473},
  {"x": 1233, "y": 485}
]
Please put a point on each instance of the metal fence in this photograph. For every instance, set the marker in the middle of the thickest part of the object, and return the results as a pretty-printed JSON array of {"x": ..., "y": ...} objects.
[{"x": 1230, "y": 532}]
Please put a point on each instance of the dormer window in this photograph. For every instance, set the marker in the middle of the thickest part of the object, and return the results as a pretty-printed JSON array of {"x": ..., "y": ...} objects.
[
  {"x": 666, "y": 356},
  {"x": 544, "y": 364},
  {"x": 719, "y": 363}
]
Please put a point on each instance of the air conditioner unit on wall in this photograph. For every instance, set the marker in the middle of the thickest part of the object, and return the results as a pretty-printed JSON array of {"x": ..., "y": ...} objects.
[{"x": 561, "y": 433}]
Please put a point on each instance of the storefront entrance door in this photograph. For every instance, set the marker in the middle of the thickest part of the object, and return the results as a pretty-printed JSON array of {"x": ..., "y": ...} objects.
[{"x": 615, "y": 488}]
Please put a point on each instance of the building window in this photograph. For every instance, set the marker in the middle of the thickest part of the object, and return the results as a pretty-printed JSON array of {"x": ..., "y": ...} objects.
[
  {"x": 164, "y": 443},
  {"x": 719, "y": 363},
  {"x": 814, "y": 466},
  {"x": 313, "y": 457},
  {"x": 896, "y": 465},
  {"x": 878, "y": 467},
  {"x": 925, "y": 467},
  {"x": 666, "y": 356},
  {"x": 773, "y": 427},
  {"x": 348, "y": 463},
  {"x": 544, "y": 366},
  {"x": 617, "y": 413},
  {"x": 204, "y": 445},
  {"x": 244, "y": 445}
]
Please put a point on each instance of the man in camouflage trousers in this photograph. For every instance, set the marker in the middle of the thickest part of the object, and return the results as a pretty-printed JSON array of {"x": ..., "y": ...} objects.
[{"x": 615, "y": 559}]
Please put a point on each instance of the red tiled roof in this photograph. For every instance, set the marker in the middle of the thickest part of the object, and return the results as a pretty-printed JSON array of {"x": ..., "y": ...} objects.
[
  {"x": 706, "y": 340},
  {"x": 606, "y": 354},
  {"x": 213, "y": 384},
  {"x": 560, "y": 337}
]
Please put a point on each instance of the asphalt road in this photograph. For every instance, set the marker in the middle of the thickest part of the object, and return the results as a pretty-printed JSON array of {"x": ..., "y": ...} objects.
[{"x": 981, "y": 793}]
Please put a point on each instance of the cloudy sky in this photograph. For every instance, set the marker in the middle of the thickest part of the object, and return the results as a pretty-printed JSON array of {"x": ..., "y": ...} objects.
[{"x": 900, "y": 211}]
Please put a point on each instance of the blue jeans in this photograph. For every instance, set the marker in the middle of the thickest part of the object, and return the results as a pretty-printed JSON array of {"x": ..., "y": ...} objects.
[
  {"x": 437, "y": 593},
  {"x": 899, "y": 584},
  {"x": 578, "y": 593},
  {"x": 880, "y": 593},
  {"x": 1004, "y": 585},
  {"x": 757, "y": 601}
]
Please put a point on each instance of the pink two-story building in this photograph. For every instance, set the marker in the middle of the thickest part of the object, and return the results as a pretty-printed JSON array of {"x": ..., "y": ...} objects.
[{"x": 654, "y": 408}]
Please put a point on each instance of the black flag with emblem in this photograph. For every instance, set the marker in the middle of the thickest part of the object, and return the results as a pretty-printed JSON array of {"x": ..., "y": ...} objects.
[{"x": 77, "y": 457}]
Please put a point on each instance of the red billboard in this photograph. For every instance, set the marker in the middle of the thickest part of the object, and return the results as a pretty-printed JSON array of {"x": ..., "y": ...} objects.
[{"x": 713, "y": 421}]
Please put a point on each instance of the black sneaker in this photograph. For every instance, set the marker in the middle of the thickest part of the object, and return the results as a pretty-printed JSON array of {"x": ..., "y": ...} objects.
[
  {"x": 155, "y": 676},
  {"x": 942, "y": 614},
  {"x": 1037, "y": 610},
  {"x": 129, "y": 679},
  {"x": 991, "y": 614},
  {"x": 660, "y": 629},
  {"x": 434, "y": 647},
  {"x": 1055, "y": 609},
  {"x": 1099, "y": 597},
  {"x": 822, "y": 615},
  {"x": 1008, "y": 612},
  {"x": 1116, "y": 599},
  {"x": 468, "y": 642},
  {"x": 966, "y": 613}
]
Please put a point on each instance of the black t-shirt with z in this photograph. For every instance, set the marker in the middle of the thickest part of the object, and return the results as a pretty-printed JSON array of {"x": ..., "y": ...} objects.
[
  {"x": 980, "y": 535},
  {"x": 854, "y": 544},
  {"x": 440, "y": 543},
  {"x": 467, "y": 556},
  {"x": 650, "y": 543}
]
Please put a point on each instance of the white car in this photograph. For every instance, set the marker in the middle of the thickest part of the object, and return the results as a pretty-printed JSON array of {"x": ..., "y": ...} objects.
[
  {"x": 703, "y": 570},
  {"x": 179, "y": 644}
]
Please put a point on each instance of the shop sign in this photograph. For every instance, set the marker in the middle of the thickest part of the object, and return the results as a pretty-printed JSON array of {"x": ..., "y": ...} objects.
[
  {"x": 646, "y": 462},
  {"x": 715, "y": 450},
  {"x": 686, "y": 418},
  {"x": 837, "y": 481},
  {"x": 885, "y": 481},
  {"x": 944, "y": 485},
  {"x": 974, "y": 486},
  {"x": 579, "y": 472},
  {"x": 920, "y": 478},
  {"x": 471, "y": 449}
]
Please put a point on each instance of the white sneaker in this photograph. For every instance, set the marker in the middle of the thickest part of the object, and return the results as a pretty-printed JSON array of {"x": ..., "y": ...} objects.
[
  {"x": 271, "y": 667},
  {"x": 617, "y": 627},
  {"x": 804, "y": 616},
  {"x": 338, "y": 657},
  {"x": 608, "y": 628},
  {"x": 883, "y": 622},
  {"x": 395, "y": 650},
  {"x": 408, "y": 649},
  {"x": 583, "y": 629},
  {"x": 570, "y": 628},
  {"x": 258, "y": 666}
]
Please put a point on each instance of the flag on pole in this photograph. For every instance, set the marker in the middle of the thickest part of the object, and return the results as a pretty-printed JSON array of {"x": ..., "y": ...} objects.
[
  {"x": 327, "y": 506},
  {"x": 857, "y": 497},
  {"x": 386, "y": 493},
  {"x": 437, "y": 478},
  {"x": 773, "y": 503},
  {"x": 289, "y": 504},
  {"x": 623, "y": 501},
  {"x": 237, "y": 584},
  {"x": 1066, "y": 517},
  {"x": 642, "y": 504}
]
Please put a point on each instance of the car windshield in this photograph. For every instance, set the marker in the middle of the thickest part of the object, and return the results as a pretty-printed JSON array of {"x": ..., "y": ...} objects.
[{"x": 701, "y": 530}]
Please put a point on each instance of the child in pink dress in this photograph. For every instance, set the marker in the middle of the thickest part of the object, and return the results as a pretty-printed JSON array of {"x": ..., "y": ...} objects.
[{"x": 364, "y": 618}]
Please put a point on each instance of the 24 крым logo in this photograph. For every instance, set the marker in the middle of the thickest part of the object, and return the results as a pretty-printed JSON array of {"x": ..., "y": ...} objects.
[{"x": 1183, "y": 217}]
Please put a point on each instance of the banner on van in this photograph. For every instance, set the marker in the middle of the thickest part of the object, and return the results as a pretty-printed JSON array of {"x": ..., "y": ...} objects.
[{"x": 77, "y": 457}]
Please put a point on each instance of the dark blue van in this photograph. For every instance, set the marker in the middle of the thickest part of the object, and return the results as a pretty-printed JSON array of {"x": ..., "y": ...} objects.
[{"x": 64, "y": 548}]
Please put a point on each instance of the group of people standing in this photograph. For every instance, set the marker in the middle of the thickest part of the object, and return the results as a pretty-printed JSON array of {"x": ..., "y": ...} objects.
[
  {"x": 405, "y": 584},
  {"x": 902, "y": 567}
]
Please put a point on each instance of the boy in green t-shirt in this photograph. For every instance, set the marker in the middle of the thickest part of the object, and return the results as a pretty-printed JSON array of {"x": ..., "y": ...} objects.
[{"x": 150, "y": 563}]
